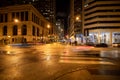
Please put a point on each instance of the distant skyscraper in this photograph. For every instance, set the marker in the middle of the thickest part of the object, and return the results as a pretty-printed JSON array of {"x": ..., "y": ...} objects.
[
  {"x": 60, "y": 28},
  {"x": 77, "y": 16},
  {"x": 47, "y": 8}
]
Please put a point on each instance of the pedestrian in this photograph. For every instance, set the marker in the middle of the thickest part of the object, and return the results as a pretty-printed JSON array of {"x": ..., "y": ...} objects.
[{"x": 75, "y": 42}]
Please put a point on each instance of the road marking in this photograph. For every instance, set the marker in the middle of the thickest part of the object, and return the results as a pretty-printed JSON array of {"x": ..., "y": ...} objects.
[
  {"x": 84, "y": 60},
  {"x": 77, "y": 57}
]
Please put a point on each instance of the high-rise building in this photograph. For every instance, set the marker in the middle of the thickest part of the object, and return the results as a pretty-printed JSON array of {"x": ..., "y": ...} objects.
[
  {"x": 102, "y": 21},
  {"x": 48, "y": 9},
  {"x": 60, "y": 28},
  {"x": 75, "y": 23}
]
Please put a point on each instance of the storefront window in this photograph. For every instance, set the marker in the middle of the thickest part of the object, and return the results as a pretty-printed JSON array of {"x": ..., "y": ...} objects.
[
  {"x": 105, "y": 37},
  {"x": 93, "y": 37},
  {"x": 116, "y": 37}
]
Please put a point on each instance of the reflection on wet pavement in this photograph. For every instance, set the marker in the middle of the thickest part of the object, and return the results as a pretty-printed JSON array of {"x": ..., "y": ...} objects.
[
  {"x": 110, "y": 54},
  {"x": 42, "y": 62},
  {"x": 104, "y": 72}
]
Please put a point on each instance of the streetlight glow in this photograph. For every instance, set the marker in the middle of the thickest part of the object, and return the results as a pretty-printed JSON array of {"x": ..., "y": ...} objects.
[
  {"x": 9, "y": 36},
  {"x": 48, "y": 26},
  {"x": 77, "y": 18},
  {"x": 16, "y": 20}
]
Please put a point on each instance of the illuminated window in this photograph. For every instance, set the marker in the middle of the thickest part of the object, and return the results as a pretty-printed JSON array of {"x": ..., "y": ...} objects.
[
  {"x": 116, "y": 37},
  {"x": 105, "y": 37}
]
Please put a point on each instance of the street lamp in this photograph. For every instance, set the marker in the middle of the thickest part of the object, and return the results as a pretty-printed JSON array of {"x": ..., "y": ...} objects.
[
  {"x": 77, "y": 18},
  {"x": 20, "y": 39},
  {"x": 9, "y": 39},
  {"x": 9, "y": 36},
  {"x": 44, "y": 35},
  {"x": 16, "y": 20},
  {"x": 19, "y": 30},
  {"x": 77, "y": 27},
  {"x": 48, "y": 26}
]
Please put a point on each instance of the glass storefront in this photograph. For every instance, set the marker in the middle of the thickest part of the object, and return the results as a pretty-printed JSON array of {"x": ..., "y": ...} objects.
[
  {"x": 105, "y": 37},
  {"x": 116, "y": 37},
  {"x": 93, "y": 37},
  {"x": 79, "y": 38}
]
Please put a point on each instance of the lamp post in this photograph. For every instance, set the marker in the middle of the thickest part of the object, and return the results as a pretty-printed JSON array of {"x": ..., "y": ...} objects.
[
  {"x": 76, "y": 26},
  {"x": 16, "y": 21},
  {"x": 48, "y": 26},
  {"x": 77, "y": 18},
  {"x": 43, "y": 35},
  {"x": 9, "y": 39},
  {"x": 19, "y": 30}
]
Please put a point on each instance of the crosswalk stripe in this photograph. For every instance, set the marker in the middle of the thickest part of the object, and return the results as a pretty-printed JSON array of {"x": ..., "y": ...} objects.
[
  {"x": 77, "y": 58},
  {"x": 84, "y": 60}
]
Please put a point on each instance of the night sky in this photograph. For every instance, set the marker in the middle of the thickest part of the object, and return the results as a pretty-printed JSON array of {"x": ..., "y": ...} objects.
[
  {"x": 62, "y": 7},
  {"x": 62, "y": 11}
]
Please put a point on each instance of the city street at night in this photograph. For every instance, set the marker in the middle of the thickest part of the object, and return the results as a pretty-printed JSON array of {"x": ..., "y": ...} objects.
[
  {"x": 59, "y": 39},
  {"x": 58, "y": 61}
]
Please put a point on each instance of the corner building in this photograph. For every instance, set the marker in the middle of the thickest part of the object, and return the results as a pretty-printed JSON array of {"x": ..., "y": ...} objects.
[
  {"x": 102, "y": 21},
  {"x": 46, "y": 7},
  {"x": 22, "y": 23}
]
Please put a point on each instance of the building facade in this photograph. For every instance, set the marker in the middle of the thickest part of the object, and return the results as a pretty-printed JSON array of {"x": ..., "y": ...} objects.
[
  {"x": 46, "y": 7},
  {"x": 102, "y": 21},
  {"x": 60, "y": 28},
  {"x": 22, "y": 23},
  {"x": 75, "y": 21}
]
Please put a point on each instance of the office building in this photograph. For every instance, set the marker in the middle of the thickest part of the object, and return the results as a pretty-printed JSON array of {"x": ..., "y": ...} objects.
[
  {"x": 75, "y": 20},
  {"x": 102, "y": 21},
  {"x": 60, "y": 28}
]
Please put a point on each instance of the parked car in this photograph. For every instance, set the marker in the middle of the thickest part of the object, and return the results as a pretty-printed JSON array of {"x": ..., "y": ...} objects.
[
  {"x": 116, "y": 44},
  {"x": 90, "y": 44},
  {"x": 101, "y": 45}
]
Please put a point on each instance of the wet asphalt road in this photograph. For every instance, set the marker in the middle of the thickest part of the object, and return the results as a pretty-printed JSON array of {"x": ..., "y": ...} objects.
[{"x": 58, "y": 62}]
